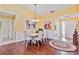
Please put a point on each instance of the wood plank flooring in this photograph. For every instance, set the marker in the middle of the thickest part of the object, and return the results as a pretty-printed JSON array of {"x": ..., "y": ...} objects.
[{"x": 20, "y": 49}]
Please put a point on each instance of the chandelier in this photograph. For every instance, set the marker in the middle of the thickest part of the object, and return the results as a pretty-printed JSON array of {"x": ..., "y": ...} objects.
[{"x": 35, "y": 18}]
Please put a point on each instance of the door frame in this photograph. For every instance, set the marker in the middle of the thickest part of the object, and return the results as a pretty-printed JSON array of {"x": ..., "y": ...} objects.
[{"x": 10, "y": 41}]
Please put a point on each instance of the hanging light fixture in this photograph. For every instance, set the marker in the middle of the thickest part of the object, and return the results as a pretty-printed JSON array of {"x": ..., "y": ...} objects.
[{"x": 35, "y": 18}]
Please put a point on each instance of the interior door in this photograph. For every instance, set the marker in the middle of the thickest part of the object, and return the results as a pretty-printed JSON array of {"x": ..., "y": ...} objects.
[
  {"x": 8, "y": 30},
  {"x": 70, "y": 26}
]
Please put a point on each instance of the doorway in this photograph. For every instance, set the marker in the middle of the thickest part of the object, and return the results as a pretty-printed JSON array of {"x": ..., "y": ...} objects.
[
  {"x": 7, "y": 30},
  {"x": 68, "y": 27}
]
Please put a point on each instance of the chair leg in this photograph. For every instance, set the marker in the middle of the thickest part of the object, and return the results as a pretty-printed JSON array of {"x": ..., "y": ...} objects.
[
  {"x": 27, "y": 43},
  {"x": 24, "y": 42},
  {"x": 44, "y": 41},
  {"x": 30, "y": 42},
  {"x": 36, "y": 43},
  {"x": 40, "y": 43}
]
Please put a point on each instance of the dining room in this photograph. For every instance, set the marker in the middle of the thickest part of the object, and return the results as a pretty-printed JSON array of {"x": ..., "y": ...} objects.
[{"x": 39, "y": 29}]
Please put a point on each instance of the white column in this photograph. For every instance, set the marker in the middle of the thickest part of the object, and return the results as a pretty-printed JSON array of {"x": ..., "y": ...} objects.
[{"x": 63, "y": 31}]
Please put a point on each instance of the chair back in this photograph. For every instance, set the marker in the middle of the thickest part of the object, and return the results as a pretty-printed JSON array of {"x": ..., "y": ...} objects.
[{"x": 27, "y": 35}]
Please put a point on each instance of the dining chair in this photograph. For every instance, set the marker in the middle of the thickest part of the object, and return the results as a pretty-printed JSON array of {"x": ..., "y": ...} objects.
[
  {"x": 27, "y": 38},
  {"x": 39, "y": 39}
]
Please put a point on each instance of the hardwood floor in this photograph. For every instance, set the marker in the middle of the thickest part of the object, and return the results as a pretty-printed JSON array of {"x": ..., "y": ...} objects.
[{"x": 20, "y": 49}]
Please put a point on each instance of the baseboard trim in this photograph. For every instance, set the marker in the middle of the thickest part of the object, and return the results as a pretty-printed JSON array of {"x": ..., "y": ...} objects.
[{"x": 10, "y": 42}]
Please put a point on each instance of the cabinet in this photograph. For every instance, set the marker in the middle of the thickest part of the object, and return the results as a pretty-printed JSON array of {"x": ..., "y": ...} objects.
[{"x": 75, "y": 39}]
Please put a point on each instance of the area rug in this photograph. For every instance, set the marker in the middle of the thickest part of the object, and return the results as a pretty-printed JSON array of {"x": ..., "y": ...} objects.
[{"x": 61, "y": 45}]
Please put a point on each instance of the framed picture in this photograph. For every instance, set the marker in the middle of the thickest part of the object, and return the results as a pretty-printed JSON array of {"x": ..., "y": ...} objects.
[
  {"x": 48, "y": 25},
  {"x": 30, "y": 24}
]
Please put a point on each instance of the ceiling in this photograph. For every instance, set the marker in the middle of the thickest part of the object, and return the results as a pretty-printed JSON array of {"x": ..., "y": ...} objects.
[{"x": 42, "y": 9}]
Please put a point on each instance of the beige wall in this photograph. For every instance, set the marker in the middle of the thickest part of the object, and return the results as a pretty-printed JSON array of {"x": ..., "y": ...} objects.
[
  {"x": 55, "y": 15},
  {"x": 23, "y": 14}
]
